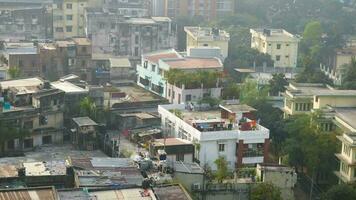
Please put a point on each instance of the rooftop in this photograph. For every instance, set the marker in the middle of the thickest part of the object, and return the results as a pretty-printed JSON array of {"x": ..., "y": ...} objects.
[
  {"x": 82, "y": 41},
  {"x": 161, "y": 19},
  {"x": 310, "y": 90},
  {"x": 84, "y": 121},
  {"x": 348, "y": 115},
  {"x": 207, "y": 33},
  {"x": 20, "y": 48},
  {"x": 38, "y": 193},
  {"x": 8, "y": 171},
  {"x": 133, "y": 93},
  {"x": 119, "y": 62},
  {"x": 27, "y": 82},
  {"x": 170, "y": 192},
  {"x": 154, "y": 57},
  {"x": 68, "y": 88},
  {"x": 170, "y": 142},
  {"x": 64, "y": 43},
  {"x": 271, "y": 33},
  {"x": 192, "y": 168},
  {"x": 45, "y": 168},
  {"x": 193, "y": 63}
]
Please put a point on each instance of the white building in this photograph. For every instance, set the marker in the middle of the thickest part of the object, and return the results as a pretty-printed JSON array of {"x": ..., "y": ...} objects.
[
  {"x": 226, "y": 131},
  {"x": 281, "y": 45}
]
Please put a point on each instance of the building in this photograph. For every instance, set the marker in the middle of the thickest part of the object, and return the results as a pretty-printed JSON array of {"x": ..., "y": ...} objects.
[
  {"x": 344, "y": 118},
  {"x": 35, "y": 107},
  {"x": 208, "y": 9},
  {"x": 281, "y": 45},
  {"x": 39, "y": 193},
  {"x": 113, "y": 33},
  {"x": 154, "y": 66},
  {"x": 117, "y": 70},
  {"x": 175, "y": 149},
  {"x": 301, "y": 98},
  {"x": 84, "y": 133},
  {"x": 228, "y": 131},
  {"x": 208, "y": 37},
  {"x": 23, "y": 56},
  {"x": 68, "y": 18},
  {"x": 130, "y": 8}
]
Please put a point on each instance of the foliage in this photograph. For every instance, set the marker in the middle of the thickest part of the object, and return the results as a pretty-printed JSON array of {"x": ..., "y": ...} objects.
[
  {"x": 277, "y": 84},
  {"x": 341, "y": 191},
  {"x": 88, "y": 108},
  {"x": 310, "y": 73},
  {"x": 14, "y": 72},
  {"x": 221, "y": 165},
  {"x": 231, "y": 91},
  {"x": 265, "y": 191},
  {"x": 349, "y": 81},
  {"x": 177, "y": 113},
  {"x": 207, "y": 79},
  {"x": 10, "y": 132},
  {"x": 250, "y": 93}
]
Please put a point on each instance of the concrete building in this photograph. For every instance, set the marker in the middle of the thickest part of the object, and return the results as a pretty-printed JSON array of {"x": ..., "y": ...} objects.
[
  {"x": 113, "y": 33},
  {"x": 68, "y": 18},
  {"x": 113, "y": 69},
  {"x": 84, "y": 133},
  {"x": 151, "y": 75},
  {"x": 174, "y": 149},
  {"x": 131, "y": 8},
  {"x": 208, "y": 37},
  {"x": 226, "y": 131},
  {"x": 281, "y": 45},
  {"x": 209, "y": 9}
]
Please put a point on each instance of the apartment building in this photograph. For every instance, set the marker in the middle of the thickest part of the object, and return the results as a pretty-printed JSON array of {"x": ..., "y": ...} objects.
[
  {"x": 345, "y": 119},
  {"x": 132, "y": 8},
  {"x": 207, "y": 37},
  {"x": 113, "y": 33},
  {"x": 281, "y": 45},
  {"x": 209, "y": 9},
  {"x": 151, "y": 75},
  {"x": 35, "y": 107},
  {"x": 228, "y": 131},
  {"x": 68, "y": 18}
]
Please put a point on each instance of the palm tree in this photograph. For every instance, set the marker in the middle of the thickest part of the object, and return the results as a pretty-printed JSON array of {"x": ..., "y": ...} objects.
[{"x": 88, "y": 108}]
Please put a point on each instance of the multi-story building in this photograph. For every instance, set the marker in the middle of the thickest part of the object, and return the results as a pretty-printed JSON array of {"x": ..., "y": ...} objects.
[
  {"x": 68, "y": 18},
  {"x": 35, "y": 107},
  {"x": 151, "y": 75},
  {"x": 281, "y": 45},
  {"x": 113, "y": 33},
  {"x": 209, "y": 9},
  {"x": 345, "y": 119},
  {"x": 228, "y": 131},
  {"x": 208, "y": 37},
  {"x": 132, "y": 8}
]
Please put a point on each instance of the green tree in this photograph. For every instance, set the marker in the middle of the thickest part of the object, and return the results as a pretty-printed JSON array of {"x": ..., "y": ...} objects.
[
  {"x": 221, "y": 165},
  {"x": 265, "y": 191},
  {"x": 10, "y": 132},
  {"x": 338, "y": 192},
  {"x": 88, "y": 108},
  {"x": 14, "y": 72},
  {"x": 251, "y": 93},
  {"x": 277, "y": 84},
  {"x": 349, "y": 81}
]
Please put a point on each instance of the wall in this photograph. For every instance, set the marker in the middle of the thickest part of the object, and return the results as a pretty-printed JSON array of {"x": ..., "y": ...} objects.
[
  {"x": 188, "y": 179},
  {"x": 196, "y": 94},
  {"x": 334, "y": 101}
]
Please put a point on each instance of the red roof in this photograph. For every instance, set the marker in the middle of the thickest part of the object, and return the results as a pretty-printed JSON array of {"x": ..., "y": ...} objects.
[
  {"x": 155, "y": 58},
  {"x": 192, "y": 63}
]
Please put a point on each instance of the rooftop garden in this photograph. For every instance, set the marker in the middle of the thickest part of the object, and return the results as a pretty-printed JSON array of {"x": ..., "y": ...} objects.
[{"x": 208, "y": 79}]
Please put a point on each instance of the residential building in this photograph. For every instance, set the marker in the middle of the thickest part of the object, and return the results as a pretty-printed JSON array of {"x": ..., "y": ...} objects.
[
  {"x": 34, "y": 106},
  {"x": 208, "y": 9},
  {"x": 154, "y": 66},
  {"x": 84, "y": 133},
  {"x": 131, "y": 8},
  {"x": 345, "y": 120},
  {"x": 23, "y": 56},
  {"x": 113, "y": 33},
  {"x": 281, "y": 45},
  {"x": 301, "y": 98},
  {"x": 207, "y": 37},
  {"x": 173, "y": 149},
  {"x": 228, "y": 131},
  {"x": 68, "y": 18},
  {"x": 117, "y": 70}
]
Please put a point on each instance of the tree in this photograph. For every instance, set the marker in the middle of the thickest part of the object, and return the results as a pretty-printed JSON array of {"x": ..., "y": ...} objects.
[
  {"x": 10, "y": 132},
  {"x": 265, "y": 191},
  {"x": 277, "y": 84},
  {"x": 349, "y": 81},
  {"x": 341, "y": 191},
  {"x": 14, "y": 72},
  {"x": 251, "y": 93},
  {"x": 221, "y": 165},
  {"x": 88, "y": 108}
]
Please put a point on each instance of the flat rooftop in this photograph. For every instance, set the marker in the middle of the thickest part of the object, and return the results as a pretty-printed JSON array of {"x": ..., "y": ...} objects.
[
  {"x": 82, "y": 41},
  {"x": 37, "y": 193},
  {"x": 270, "y": 33},
  {"x": 193, "y": 168},
  {"x": 64, "y": 43},
  {"x": 154, "y": 57},
  {"x": 120, "y": 63},
  {"x": 84, "y": 121},
  {"x": 208, "y": 33},
  {"x": 134, "y": 93},
  {"x": 170, "y": 142},
  {"x": 310, "y": 90},
  {"x": 347, "y": 115},
  {"x": 68, "y": 88},
  {"x": 194, "y": 63},
  {"x": 27, "y": 82},
  {"x": 168, "y": 192},
  {"x": 45, "y": 168}
]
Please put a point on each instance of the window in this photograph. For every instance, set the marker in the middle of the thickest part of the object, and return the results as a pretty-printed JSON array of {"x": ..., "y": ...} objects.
[
  {"x": 113, "y": 26},
  {"x": 68, "y": 28},
  {"x": 169, "y": 92},
  {"x": 173, "y": 94},
  {"x": 136, "y": 39},
  {"x": 278, "y": 46},
  {"x": 278, "y": 58},
  {"x": 47, "y": 139},
  {"x": 153, "y": 68},
  {"x": 188, "y": 97},
  {"x": 69, "y": 6},
  {"x": 145, "y": 64},
  {"x": 136, "y": 51},
  {"x": 28, "y": 124},
  {"x": 221, "y": 147},
  {"x": 179, "y": 97},
  {"x": 84, "y": 49},
  {"x": 101, "y": 25},
  {"x": 180, "y": 157},
  {"x": 205, "y": 45},
  {"x": 344, "y": 168},
  {"x": 59, "y": 29},
  {"x": 11, "y": 144},
  {"x": 287, "y": 56},
  {"x": 69, "y": 17},
  {"x": 287, "y": 45},
  {"x": 59, "y": 6},
  {"x": 160, "y": 71},
  {"x": 347, "y": 150},
  {"x": 28, "y": 143}
]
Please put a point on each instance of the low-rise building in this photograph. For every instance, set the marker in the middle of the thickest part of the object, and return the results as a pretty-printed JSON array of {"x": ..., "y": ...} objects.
[
  {"x": 281, "y": 45},
  {"x": 174, "y": 149},
  {"x": 228, "y": 131},
  {"x": 84, "y": 133},
  {"x": 208, "y": 37}
]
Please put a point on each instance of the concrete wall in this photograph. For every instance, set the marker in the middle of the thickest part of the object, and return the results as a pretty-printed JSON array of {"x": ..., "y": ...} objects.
[{"x": 334, "y": 101}]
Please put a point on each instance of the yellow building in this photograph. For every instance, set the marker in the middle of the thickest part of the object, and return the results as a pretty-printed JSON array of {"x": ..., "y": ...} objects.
[
  {"x": 345, "y": 119},
  {"x": 208, "y": 37},
  {"x": 281, "y": 45},
  {"x": 68, "y": 18}
]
